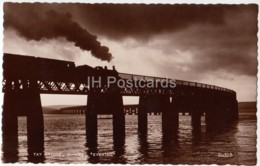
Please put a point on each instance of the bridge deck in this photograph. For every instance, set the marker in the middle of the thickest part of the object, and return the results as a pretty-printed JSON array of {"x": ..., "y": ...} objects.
[{"x": 63, "y": 77}]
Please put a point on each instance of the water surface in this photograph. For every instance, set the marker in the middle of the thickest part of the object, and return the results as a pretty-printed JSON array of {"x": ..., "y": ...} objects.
[{"x": 65, "y": 142}]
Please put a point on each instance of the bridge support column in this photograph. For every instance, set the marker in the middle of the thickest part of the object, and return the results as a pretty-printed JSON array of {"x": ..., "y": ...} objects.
[
  {"x": 170, "y": 118},
  {"x": 24, "y": 102},
  {"x": 175, "y": 116},
  {"x": 216, "y": 116},
  {"x": 35, "y": 124},
  {"x": 208, "y": 117},
  {"x": 10, "y": 127},
  {"x": 221, "y": 113},
  {"x": 118, "y": 120},
  {"x": 106, "y": 104},
  {"x": 91, "y": 120},
  {"x": 142, "y": 115},
  {"x": 213, "y": 119},
  {"x": 196, "y": 119},
  {"x": 234, "y": 110}
]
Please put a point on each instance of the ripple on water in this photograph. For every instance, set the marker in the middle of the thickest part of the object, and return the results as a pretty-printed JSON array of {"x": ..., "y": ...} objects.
[{"x": 65, "y": 134}]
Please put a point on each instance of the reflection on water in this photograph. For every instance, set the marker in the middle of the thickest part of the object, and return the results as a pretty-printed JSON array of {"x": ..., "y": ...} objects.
[{"x": 65, "y": 142}]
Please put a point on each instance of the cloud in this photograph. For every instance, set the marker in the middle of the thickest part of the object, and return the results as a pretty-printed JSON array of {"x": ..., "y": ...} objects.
[
  {"x": 215, "y": 44},
  {"x": 203, "y": 49},
  {"x": 35, "y": 24},
  {"x": 219, "y": 37},
  {"x": 144, "y": 21}
]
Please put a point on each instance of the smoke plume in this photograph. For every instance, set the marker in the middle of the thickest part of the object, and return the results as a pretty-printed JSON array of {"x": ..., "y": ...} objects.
[{"x": 50, "y": 24}]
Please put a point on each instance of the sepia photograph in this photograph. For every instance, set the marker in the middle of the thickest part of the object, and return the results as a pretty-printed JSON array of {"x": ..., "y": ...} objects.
[{"x": 129, "y": 83}]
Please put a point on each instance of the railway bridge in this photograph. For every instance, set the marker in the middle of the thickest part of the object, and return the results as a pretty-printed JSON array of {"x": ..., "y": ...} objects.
[{"x": 26, "y": 77}]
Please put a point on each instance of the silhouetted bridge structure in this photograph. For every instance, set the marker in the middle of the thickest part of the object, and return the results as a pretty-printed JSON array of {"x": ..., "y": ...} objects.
[
  {"x": 26, "y": 77},
  {"x": 130, "y": 109}
]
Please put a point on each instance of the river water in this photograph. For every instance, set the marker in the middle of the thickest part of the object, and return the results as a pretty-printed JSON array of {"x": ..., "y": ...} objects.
[{"x": 65, "y": 142}]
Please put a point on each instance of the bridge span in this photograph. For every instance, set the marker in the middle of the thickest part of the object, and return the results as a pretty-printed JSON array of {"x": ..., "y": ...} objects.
[
  {"x": 26, "y": 77},
  {"x": 130, "y": 109}
]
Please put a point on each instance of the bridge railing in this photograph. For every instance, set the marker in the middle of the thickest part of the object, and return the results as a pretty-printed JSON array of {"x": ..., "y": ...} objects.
[{"x": 178, "y": 82}]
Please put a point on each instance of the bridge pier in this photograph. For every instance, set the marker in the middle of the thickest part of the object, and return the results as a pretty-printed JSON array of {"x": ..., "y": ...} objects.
[
  {"x": 196, "y": 119},
  {"x": 170, "y": 115},
  {"x": 118, "y": 119},
  {"x": 91, "y": 120},
  {"x": 24, "y": 102},
  {"x": 209, "y": 118},
  {"x": 10, "y": 127},
  {"x": 170, "y": 118},
  {"x": 108, "y": 104},
  {"x": 35, "y": 124},
  {"x": 234, "y": 110},
  {"x": 142, "y": 115},
  {"x": 216, "y": 116}
]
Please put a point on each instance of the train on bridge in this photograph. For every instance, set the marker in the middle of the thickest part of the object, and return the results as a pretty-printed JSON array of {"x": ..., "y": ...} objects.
[{"x": 26, "y": 77}]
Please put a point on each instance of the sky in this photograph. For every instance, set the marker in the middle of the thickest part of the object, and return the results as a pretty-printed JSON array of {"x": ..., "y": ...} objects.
[{"x": 213, "y": 44}]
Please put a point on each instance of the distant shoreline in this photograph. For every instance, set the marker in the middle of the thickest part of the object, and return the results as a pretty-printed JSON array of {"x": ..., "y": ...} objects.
[{"x": 249, "y": 106}]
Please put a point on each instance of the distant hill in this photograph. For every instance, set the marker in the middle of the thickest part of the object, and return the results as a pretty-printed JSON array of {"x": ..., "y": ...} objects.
[
  {"x": 47, "y": 110},
  {"x": 250, "y": 104},
  {"x": 57, "y": 107},
  {"x": 53, "y": 109},
  {"x": 247, "y": 106}
]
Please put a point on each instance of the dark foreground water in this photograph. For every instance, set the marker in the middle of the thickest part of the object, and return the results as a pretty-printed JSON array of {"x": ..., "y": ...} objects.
[{"x": 65, "y": 142}]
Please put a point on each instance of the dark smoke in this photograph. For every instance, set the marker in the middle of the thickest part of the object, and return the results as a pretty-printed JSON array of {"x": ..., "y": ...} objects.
[
  {"x": 221, "y": 37},
  {"x": 49, "y": 24}
]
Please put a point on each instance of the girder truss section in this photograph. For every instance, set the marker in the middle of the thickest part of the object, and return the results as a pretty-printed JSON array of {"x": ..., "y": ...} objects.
[{"x": 81, "y": 88}]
